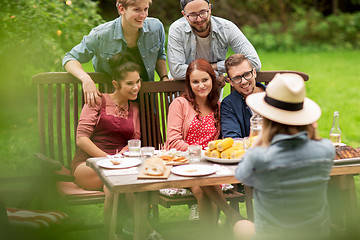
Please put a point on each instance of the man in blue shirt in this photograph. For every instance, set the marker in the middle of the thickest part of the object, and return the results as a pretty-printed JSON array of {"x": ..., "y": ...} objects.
[
  {"x": 199, "y": 35},
  {"x": 235, "y": 114},
  {"x": 133, "y": 32}
]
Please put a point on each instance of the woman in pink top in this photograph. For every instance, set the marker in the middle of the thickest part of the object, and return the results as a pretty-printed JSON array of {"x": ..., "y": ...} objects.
[
  {"x": 105, "y": 128},
  {"x": 194, "y": 118}
]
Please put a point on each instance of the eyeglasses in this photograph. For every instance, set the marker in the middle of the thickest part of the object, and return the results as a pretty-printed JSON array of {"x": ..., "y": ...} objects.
[
  {"x": 238, "y": 79},
  {"x": 193, "y": 16}
]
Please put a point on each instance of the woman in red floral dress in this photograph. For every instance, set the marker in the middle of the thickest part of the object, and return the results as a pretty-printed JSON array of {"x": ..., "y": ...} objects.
[{"x": 194, "y": 118}]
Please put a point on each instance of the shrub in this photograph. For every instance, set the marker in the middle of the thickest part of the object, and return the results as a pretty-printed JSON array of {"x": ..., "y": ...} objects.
[
  {"x": 35, "y": 34},
  {"x": 307, "y": 30}
]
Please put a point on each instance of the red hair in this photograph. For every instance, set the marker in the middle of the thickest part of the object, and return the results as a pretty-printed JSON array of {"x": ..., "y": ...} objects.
[{"x": 213, "y": 97}]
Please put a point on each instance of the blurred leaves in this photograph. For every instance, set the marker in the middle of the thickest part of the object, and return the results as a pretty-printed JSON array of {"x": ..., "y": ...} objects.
[
  {"x": 308, "y": 31},
  {"x": 38, "y": 32}
]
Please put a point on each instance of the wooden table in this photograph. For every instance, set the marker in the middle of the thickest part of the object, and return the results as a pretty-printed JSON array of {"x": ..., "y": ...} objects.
[
  {"x": 143, "y": 188},
  {"x": 342, "y": 196}
]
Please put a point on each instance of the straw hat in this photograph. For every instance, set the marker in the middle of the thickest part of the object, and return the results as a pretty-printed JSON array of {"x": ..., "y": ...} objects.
[{"x": 284, "y": 101}]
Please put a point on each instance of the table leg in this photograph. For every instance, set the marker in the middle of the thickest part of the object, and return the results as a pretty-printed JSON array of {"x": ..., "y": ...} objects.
[
  {"x": 141, "y": 208},
  {"x": 343, "y": 202},
  {"x": 249, "y": 202},
  {"x": 111, "y": 229}
]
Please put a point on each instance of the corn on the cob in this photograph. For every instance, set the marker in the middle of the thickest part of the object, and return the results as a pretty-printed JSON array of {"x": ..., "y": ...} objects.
[
  {"x": 226, "y": 154},
  {"x": 207, "y": 152},
  {"x": 213, "y": 144},
  {"x": 238, "y": 144},
  {"x": 224, "y": 144},
  {"x": 237, "y": 154},
  {"x": 215, "y": 154}
]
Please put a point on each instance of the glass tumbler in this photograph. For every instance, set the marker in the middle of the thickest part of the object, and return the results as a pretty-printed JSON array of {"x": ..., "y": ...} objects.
[
  {"x": 134, "y": 147},
  {"x": 194, "y": 152},
  {"x": 146, "y": 152}
]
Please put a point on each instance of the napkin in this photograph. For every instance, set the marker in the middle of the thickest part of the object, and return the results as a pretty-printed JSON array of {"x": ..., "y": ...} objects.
[
  {"x": 222, "y": 171},
  {"x": 116, "y": 172}
]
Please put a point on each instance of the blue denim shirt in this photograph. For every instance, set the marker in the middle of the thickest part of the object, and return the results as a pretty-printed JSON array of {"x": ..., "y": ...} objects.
[
  {"x": 181, "y": 49},
  {"x": 107, "y": 39},
  {"x": 290, "y": 180},
  {"x": 235, "y": 115}
]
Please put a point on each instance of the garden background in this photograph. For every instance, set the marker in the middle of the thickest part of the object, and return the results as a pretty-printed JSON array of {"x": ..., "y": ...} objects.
[{"x": 318, "y": 37}]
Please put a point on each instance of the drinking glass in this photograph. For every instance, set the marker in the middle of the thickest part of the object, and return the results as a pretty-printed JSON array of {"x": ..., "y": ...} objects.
[
  {"x": 146, "y": 152},
  {"x": 246, "y": 142},
  {"x": 134, "y": 147},
  {"x": 194, "y": 152}
]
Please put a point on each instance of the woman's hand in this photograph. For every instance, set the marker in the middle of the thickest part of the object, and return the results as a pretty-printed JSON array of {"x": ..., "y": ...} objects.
[
  {"x": 124, "y": 149},
  {"x": 89, "y": 147}
]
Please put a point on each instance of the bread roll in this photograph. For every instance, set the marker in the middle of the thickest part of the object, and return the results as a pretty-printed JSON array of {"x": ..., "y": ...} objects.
[{"x": 154, "y": 166}]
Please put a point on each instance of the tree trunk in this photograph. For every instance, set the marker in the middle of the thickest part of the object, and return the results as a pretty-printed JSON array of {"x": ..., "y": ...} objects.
[{"x": 335, "y": 7}]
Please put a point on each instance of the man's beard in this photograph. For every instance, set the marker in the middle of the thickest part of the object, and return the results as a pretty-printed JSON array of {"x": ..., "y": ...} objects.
[{"x": 207, "y": 26}]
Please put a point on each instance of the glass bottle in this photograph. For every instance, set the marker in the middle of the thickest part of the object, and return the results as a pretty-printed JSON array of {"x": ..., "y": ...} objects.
[{"x": 335, "y": 132}]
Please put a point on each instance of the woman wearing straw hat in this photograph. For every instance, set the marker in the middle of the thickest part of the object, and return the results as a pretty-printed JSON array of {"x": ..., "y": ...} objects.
[{"x": 288, "y": 166}]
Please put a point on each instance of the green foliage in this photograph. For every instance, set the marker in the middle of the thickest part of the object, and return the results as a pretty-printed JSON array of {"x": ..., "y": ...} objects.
[
  {"x": 36, "y": 33},
  {"x": 280, "y": 25},
  {"x": 307, "y": 30}
]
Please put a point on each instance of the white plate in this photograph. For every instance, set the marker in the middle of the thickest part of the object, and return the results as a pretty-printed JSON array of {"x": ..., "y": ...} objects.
[
  {"x": 193, "y": 170},
  {"x": 221, "y": 160},
  {"x": 126, "y": 154},
  {"x": 124, "y": 163}
]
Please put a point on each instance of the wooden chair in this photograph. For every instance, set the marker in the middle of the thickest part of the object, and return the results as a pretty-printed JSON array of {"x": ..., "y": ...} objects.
[
  {"x": 158, "y": 96},
  {"x": 60, "y": 100},
  {"x": 154, "y": 101}
]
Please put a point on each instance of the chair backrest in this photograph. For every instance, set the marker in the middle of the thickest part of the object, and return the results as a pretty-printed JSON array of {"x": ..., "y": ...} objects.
[
  {"x": 154, "y": 101},
  {"x": 266, "y": 76},
  {"x": 60, "y": 100}
]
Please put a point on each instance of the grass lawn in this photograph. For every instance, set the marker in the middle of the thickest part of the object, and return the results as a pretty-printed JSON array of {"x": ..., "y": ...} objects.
[{"x": 334, "y": 85}]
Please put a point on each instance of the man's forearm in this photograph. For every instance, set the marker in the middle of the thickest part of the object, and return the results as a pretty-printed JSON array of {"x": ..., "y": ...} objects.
[
  {"x": 161, "y": 69},
  {"x": 75, "y": 68}
]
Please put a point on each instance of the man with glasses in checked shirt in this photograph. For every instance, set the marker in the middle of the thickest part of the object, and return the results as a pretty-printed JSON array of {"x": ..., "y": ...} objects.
[
  {"x": 199, "y": 35},
  {"x": 234, "y": 113}
]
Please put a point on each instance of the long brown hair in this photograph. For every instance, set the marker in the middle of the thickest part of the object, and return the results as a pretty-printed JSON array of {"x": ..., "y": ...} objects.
[
  {"x": 271, "y": 128},
  {"x": 213, "y": 97}
]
